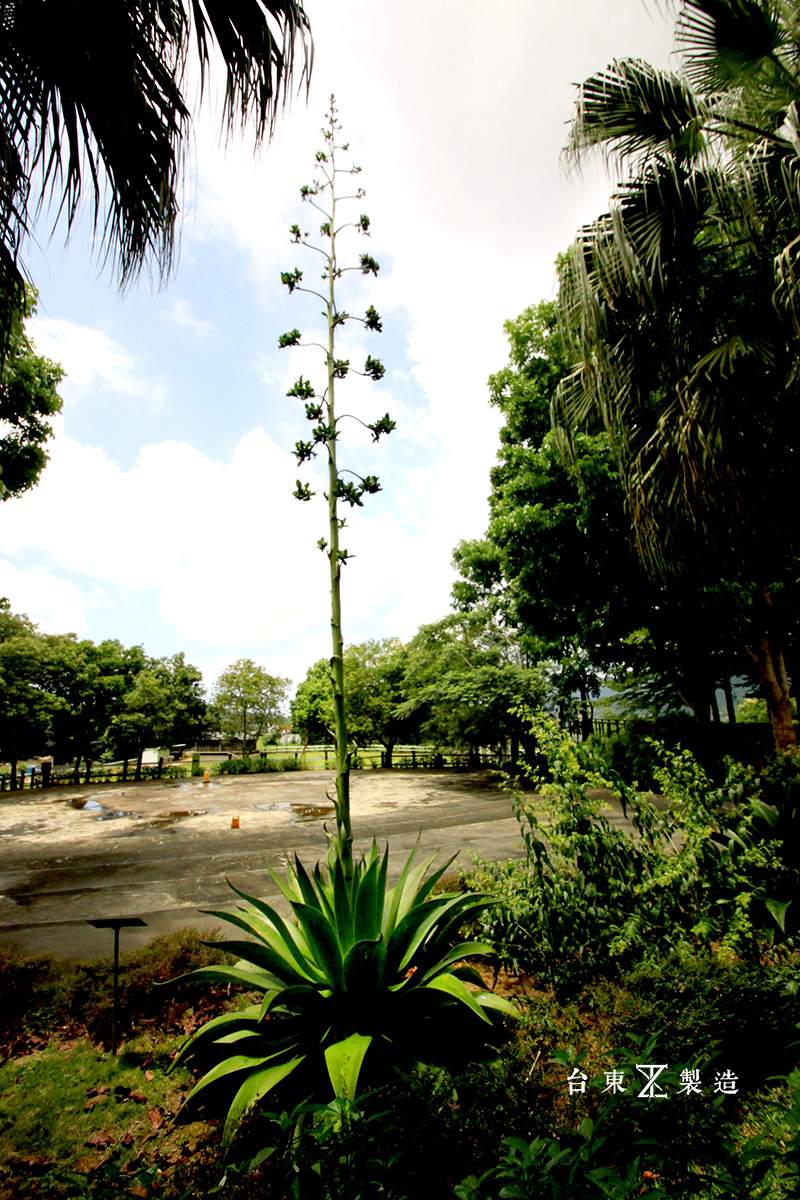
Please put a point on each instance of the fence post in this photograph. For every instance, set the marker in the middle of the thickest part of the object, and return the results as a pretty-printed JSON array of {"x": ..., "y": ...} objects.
[
  {"x": 47, "y": 768},
  {"x": 125, "y": 771},
  {"x": 413, "y": 759}
]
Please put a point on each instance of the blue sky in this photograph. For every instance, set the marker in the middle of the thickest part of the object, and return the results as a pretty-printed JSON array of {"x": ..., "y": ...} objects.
[{"x": 165, "y": 516}]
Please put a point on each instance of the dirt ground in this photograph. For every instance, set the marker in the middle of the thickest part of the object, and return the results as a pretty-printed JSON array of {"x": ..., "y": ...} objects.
[{"x": 162, "y": 850}]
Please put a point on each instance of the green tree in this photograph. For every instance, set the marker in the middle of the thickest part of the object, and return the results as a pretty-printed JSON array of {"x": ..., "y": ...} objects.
[
  {"x": 28, "y": 399},
  {"x": 146, "y": 717},
  {"x": 375, "y": 673},
  {"x": 246, "y": 702},
  {"x": 91, "y": 682},
  {"x": 28, "y": 707},
  {"x": 557, "y": 562},
  {"x": 464, "y": 676},
  {"x": 163, "y": 705},
  {"x": 323, "y": 195},
  {"x": 312, "y": 706},
  {"x": 667, "y": 301},
  {"x": 99, "y": 105}
]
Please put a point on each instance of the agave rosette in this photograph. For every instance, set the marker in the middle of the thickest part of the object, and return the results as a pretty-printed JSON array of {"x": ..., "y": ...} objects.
[{"x": 365, "y": 976}]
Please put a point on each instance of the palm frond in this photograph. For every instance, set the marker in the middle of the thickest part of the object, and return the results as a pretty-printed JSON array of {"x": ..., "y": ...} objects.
[
  {"x": 632, "y": 110},
  {"x": 92, "y": 104},
  {"x": 727, "y": 42}
]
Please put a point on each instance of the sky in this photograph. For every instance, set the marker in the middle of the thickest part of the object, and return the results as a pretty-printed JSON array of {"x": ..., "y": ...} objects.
[{"x": 165, "y": 516}]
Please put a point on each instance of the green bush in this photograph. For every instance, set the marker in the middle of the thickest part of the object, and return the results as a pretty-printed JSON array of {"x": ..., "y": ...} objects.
[
  {"x": 698, "y": 1007},
  {"x": 591, "y": 899},
  {"x": 257, "y": 766}
]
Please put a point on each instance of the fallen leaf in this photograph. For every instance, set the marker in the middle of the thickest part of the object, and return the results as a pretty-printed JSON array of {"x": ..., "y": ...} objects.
[
  {"x": 156, "y": 1119},
  {"x": 138, "y": 1097},
  {"x": 99, "y": 1139},
  {"x": 30, "y": 1162},
  {"x": 149, "y": 1076}
]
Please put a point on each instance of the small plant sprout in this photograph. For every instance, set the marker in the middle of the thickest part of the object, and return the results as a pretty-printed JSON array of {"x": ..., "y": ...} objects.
[{"x": 323, "y": 195}]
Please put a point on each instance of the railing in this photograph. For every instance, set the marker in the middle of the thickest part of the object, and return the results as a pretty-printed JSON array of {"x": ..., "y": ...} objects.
[
  {"x": 120, "y": 772},
  {"x": 580, "y": 729},
  {"x": 309, "y": 758}
]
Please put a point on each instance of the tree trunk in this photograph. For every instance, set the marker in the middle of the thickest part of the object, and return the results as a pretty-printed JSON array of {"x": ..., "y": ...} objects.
[
  {"x": 770, "y": 664},
  {"x": 774, "y": 682},
  {"x": 77, "y": 775},
  {"x": 731, "y": 707},
  {"x": 138, "y": 774},
  {"x": 13, "y": 780},
  {"x": 388, "y": 749}
]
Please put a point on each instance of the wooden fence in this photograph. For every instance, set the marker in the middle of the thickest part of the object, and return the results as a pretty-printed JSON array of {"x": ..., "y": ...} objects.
[
  {"x": 404, "y": 758},
  {"x": 122, "y": 772}
]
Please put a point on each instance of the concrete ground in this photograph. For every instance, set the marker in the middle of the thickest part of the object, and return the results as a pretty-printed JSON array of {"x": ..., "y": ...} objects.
[{"x": 162, "y": 851}]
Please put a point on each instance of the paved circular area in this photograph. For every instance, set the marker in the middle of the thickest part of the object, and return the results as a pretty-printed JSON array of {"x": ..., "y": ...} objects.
[{"x": 162, "y": 851}]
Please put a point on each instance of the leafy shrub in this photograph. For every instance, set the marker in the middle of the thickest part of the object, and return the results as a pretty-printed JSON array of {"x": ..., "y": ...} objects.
[
  {"x": 699, "y": 1007},
  {"x": 257, "y": 766},
  {"x": 627, "y": 1147},
  {"x": 590, "y": 898}
]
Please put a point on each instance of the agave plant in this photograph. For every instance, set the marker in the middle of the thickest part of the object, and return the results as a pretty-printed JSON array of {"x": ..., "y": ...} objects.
[{"x": 366, "y": 979}]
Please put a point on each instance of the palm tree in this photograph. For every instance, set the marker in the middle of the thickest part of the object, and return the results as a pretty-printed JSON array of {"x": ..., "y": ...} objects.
[
  {"x": 92, "y": 99},
  {"x": 682, "y": 356}
]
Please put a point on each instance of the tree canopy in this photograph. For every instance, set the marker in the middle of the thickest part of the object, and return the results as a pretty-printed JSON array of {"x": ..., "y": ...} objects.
[
  {"x": 28, "y": 399},
  {"x": 247, "y": 702},
  {"x": 678, "y": 309}
]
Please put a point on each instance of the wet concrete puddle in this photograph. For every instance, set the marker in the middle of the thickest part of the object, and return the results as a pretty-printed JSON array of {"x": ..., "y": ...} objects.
[{"x": 298, "y": 812}]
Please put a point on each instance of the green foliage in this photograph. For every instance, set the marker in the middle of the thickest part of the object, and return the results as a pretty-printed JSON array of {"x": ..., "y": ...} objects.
[
  {"x": 163, "y": 704},
  {"x": 247, "y": 702},
  {"x": 590, "y": 899},
  {"x": 464, "y": 676},
  {"x": 630, "y": 1148},
  {"x": 376, "y": 689},
  {"x": 104, "y": 107},
  {"x": 367, "y": 976},
  {"x": 84, "y": 698},
  {"x": 28, "y": 399},
  {"x": 679, "y": 305},
  {"x": 257, "y": 766}
]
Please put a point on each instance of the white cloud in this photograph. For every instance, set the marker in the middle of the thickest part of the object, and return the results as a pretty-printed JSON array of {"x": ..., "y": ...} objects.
[
  {"x": 223, "y": 550},
  {"x": 55, "y": 605},
  {"x": 180, "y": 313},
  {"x": 95, "y": 362}
]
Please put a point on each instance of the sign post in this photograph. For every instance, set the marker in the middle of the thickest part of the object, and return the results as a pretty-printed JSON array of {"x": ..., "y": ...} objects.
[{"x": 115, "y": 923}]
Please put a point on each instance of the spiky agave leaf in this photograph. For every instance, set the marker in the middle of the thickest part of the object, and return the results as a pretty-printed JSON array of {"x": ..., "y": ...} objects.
[{"x": 368, "y": 976}]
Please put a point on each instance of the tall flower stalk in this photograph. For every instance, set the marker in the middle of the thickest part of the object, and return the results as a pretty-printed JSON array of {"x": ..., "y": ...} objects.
[{"x": 322, "y": 194}]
